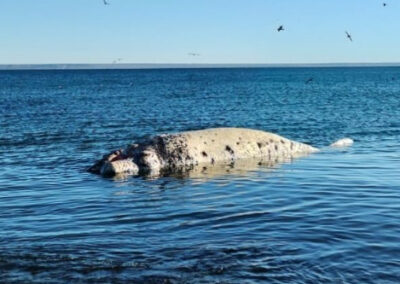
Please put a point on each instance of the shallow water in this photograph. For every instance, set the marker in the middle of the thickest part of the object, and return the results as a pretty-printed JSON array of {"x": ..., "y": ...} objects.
[{"x": 331, "y": 217}]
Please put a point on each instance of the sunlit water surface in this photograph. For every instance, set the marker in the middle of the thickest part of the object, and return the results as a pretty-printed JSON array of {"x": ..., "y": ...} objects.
[{"x": 332, "y": 217}]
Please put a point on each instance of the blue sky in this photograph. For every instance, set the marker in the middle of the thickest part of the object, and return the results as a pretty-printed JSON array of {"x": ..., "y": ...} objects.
[{"x": 221, "y": 31}]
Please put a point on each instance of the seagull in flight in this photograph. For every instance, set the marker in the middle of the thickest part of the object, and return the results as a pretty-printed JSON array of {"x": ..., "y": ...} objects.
[
  {"x": 105, "y": 2},
  {"x": 118, "y": 60},
  {"x": 280, "y": 28},
  {"x": 349, "y": 36},
  {"x": 384, "y": 4}
]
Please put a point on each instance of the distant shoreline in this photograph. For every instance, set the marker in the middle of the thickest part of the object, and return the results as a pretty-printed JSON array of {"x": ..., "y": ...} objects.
[{"x": 5, "y": 67}]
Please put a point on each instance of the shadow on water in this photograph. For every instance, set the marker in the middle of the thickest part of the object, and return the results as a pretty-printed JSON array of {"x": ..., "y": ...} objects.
[{"x": 243, "y": 168}]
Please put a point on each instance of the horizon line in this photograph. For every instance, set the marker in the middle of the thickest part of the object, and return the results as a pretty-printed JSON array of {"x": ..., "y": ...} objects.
[{"x": 105, "y": 66}]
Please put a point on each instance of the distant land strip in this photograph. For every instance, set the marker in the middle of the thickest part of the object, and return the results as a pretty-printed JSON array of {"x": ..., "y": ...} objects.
[{"x": 181, "y": 66}]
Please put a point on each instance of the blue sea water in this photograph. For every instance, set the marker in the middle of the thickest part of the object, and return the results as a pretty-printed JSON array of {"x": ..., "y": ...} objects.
[{"x": 332, "y": 217}]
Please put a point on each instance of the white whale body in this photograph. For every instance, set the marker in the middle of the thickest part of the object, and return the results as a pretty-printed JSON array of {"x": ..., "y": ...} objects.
[{"x": 201, "y": 150}]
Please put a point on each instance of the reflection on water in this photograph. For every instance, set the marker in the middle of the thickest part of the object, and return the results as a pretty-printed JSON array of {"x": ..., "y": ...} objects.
[
  {"x": 206, "y": 171},
  {"x": 331, "y": 217}
]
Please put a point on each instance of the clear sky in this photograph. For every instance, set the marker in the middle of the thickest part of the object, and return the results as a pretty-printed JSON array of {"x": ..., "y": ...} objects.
[{"x": 221, "y": 31}]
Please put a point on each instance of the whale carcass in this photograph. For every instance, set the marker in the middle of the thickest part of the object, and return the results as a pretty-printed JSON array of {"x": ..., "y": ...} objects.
[{"x": 186, "y": 151}]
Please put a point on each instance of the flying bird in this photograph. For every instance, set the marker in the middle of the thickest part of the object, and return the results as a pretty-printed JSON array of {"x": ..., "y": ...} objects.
[
  {"x": 105, "y": 2},
  {"x": 280, "y": 28},
  {"x": 193, "y": 54},
  {"x": 117, "y": 60},
  {"x": 384, "y": 4},
  {"x": 349, "y": 36}
]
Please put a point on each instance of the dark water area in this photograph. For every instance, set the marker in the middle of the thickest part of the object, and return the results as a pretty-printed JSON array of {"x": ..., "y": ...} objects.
[{"x": 331, "y": 217}]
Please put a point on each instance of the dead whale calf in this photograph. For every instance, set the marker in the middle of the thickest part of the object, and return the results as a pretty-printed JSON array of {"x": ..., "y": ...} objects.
[{"x": 182, "y": 152}]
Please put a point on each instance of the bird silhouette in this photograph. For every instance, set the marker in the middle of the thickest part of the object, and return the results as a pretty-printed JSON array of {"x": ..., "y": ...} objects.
[
  {"x": 349, "y": 36},
  {"x": 118, "y": 60},
  {"x": 193, "y": 54},
  {"x": 280, "y": 28},
  {"x": 384, "y": 4},
  {"x": 105, "y": 2}
]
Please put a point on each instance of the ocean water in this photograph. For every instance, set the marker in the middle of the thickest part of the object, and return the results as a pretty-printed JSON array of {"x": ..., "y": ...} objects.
[{"x": 332, "y": 217}]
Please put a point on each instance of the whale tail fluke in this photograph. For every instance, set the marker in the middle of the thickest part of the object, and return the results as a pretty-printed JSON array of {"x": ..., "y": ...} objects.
[{"x": 344, "y": 142}]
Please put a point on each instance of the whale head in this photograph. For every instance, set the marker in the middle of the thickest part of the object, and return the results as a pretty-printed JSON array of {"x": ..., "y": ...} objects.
[{"x": 125, "y": 166}]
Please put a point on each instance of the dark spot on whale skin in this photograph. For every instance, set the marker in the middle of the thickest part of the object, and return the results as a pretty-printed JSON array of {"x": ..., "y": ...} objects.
[
  {"x": 212, "y": 161},
  {"x": 229, "y": 149},
  {"x": 205, "y": 142},
  {"x": 204, "y": 168},
  {"x": 259, "y": 145},
  {"x": 271, "y": 140},
  {"x": 283, "y": 142},
  {"x": 204, "y": 154},
  {"x": 240, "y": 138},
  {"x": 212, "y": 140},
  {"x": 237, "y": 143},
  {"x": 259, "y": 163},
  {"x": 276, "y": 147},
  {"x": 267, "y": 143},
  {"x": 291, "y": 145}
]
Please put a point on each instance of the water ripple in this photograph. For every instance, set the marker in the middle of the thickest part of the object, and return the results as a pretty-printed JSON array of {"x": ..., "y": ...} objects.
[{"x": 328, "y": 218}]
